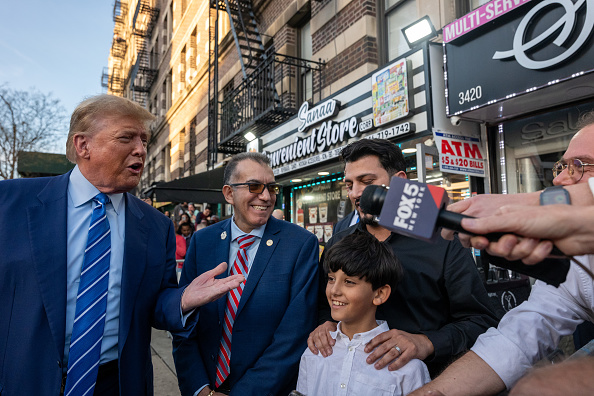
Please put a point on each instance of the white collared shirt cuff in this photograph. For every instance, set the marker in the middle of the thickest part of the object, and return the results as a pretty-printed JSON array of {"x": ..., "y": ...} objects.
[{"x": 200, "y": 390}]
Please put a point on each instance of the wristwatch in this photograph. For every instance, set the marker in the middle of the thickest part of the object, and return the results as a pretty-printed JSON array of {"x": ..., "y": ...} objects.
[{"x": 554, "y": 195}]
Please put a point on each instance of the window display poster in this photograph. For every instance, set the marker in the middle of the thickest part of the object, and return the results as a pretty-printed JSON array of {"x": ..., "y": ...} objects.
[
  {"x": 389, "y": 93},
  {"x": 320, "y": 207}
]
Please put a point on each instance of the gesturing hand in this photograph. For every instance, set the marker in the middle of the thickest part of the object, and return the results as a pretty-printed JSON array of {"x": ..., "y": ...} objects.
[
  {"x": 206, "y": 288},
  {"x": 410, "y": 346}
]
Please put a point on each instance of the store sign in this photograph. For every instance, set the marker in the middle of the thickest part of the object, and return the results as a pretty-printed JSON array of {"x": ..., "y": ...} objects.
[
  {"x": 460, "y": 154},
  {"x": 389, "y": 93},
  {"x": 319, "y": 113},
  {"x": 479, "y": 17},
  {"x": 552, "y": 37},
  {"x": 328, "y": 134},
  {"x": 309, "y": 161},
  {"x": 551, "y": 125}
]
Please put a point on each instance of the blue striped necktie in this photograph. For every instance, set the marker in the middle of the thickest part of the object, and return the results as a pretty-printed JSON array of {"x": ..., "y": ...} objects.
[{"x": 91, "y": 304}]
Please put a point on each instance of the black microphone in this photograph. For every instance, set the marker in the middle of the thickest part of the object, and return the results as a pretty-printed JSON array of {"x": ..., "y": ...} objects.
[{"x": 418, "y": 210}]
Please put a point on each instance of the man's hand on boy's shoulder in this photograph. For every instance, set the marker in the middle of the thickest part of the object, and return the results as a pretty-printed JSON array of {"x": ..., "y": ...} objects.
[
  {"x": 396, "y": 348},
  {"x": 409, "y": 346},
  {"x": 320, "y": 340}
]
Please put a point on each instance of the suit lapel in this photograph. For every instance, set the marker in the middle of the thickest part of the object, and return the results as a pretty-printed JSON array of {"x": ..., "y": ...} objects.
[
  {"x": 47, "y": 232},
  {"x": 266, "y": 249},
  {"x": 222, "y": 255},
  {"x": 134, "y": 265}
]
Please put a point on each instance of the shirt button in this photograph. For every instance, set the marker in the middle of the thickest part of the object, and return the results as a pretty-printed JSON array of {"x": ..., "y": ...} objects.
[{"x": 342, "y": 386}]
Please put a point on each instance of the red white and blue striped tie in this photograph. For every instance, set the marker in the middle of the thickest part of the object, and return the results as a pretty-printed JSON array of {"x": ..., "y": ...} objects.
[
  {"x": 91, "y": 305},
  {"x": 240, "y": 266}
]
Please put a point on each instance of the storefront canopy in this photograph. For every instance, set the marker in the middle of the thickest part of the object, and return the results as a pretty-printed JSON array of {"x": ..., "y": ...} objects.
[{"x": 203, "y": 187}]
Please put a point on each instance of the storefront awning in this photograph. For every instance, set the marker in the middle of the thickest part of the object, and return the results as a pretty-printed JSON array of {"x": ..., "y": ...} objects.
[{"x": 203, "y": 187}]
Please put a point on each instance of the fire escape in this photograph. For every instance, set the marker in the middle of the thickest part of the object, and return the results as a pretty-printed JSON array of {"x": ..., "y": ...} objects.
[
  {"x": 113, "y": 77},
  {"x": 144, "y": 72},
  {"x": 267, "y": 95}
]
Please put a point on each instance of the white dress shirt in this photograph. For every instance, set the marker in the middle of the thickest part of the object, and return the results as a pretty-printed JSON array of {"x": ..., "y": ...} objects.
[
  {"x": 529, "y": 332},
  {"x": 80, "y": 209},
  {"x": 346, "y": 371}
]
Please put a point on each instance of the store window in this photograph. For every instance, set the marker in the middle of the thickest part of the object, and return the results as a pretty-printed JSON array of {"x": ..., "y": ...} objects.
[
  {"x": 457, "y": 186},
  {"x": 305, "y": 52},
  {"x": 319, "y": 204},
  {"x": 529, "y": 147},
  {"x": 399, "y": 13},
  {"x": 463, "y": 7}
]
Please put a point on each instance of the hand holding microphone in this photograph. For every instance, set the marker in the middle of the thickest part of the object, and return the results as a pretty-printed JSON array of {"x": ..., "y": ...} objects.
[{"x": 417, "y": 210}]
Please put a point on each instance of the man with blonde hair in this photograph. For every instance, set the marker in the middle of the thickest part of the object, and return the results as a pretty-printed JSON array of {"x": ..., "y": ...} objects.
[{"x": 87, "y": 269}]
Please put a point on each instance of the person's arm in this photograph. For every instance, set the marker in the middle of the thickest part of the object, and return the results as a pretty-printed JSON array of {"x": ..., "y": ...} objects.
[
  {"x": 572, "y": 377},
  {"x": 484, "y": 205},
  {"x": 280, "y": 360},
  {"x": 470, "y": 314},
  {"x": 167, "y": 308},
  {"x": 569, "y": 228},
  {"x": 468, "y": 376},
  {"x": 191, "y": 371},
  {"x": 525, "y": 335}
]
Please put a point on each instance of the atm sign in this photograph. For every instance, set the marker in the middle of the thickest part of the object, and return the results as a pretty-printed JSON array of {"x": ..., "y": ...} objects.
[{"x": 460, "y": 154}]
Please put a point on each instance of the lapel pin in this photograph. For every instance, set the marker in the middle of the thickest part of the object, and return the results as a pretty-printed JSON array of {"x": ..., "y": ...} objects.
[
  {"x": 269, "y": 242},
  {"x": 224, "y": 235}
]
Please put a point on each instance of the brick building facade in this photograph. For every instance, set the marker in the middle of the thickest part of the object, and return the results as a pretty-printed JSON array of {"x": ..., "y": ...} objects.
[{"x": 164, "y": 54}]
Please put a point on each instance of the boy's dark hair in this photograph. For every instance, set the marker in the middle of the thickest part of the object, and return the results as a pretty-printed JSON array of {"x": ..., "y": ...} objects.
[
  {"x": 389, "y": 155},
  {"x": 363, "y": 255}
]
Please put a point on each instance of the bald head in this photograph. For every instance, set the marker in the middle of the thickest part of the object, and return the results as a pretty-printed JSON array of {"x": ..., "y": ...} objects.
[{"x": 279, "y": 214}]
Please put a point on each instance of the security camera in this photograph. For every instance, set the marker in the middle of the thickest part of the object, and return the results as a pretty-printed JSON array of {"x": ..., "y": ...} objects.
[{"x": 455, "y": 120}]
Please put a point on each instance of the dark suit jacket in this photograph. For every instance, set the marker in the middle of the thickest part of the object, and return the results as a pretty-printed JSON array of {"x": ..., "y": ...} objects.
[
  {"x": 276, "y": 312},
  {"x": 344, "y": 223},
  {"x": 33, "y": 288}
]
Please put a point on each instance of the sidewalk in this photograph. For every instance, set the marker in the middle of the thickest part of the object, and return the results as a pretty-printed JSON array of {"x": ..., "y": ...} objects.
[{"x": 165, "y": 378}]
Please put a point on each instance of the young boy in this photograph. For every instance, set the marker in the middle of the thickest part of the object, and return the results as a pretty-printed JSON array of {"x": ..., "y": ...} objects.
[{"x": 361, "y": 274}]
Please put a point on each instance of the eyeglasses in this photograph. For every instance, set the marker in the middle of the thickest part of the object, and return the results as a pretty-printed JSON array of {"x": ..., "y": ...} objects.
[
  {"x": 575, "y": 168},
  {"x": 258, "y": 188}
]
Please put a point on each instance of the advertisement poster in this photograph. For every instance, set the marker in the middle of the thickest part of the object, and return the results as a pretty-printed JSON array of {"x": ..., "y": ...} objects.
[
  {"x": 460, "y": 154},
  {"x": 389, "y": 93},
  {"x": 320, "y": 207}
]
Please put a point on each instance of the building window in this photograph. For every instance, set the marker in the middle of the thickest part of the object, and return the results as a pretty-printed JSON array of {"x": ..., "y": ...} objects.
[
  {"x": 399, "y": 13},
  {"x": 463, "y": 7},
  {"x": 182, "y": 70},
  {"x": 305, "y": 52}
]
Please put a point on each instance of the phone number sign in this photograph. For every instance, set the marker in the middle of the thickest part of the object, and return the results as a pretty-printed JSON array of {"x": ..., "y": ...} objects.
[{"x": 460, "y": 154}]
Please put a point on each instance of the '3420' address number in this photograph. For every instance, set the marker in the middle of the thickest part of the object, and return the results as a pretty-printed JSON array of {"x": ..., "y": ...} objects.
[{"x": 470, "y": 95}]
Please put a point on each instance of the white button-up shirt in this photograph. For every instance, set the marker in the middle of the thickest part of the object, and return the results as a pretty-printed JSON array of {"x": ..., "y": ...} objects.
[
  {"x": 529, "y": 332},
  {"x": 346, "y": 372}
]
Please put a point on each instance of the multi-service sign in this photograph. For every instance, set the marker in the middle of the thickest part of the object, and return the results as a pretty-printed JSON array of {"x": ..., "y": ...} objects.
[{"x": 512, "y": 47}]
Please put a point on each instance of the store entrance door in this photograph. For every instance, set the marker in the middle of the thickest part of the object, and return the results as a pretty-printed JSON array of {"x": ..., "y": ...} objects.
[{"x": 457, "y": 186}]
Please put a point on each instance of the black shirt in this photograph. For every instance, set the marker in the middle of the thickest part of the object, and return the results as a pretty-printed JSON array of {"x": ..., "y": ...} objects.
[{"x": 441, "y": 295}]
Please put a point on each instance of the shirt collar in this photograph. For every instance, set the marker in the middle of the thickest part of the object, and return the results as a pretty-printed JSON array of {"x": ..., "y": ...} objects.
[
  {"x": 361, "y": 337},
  {"x": 82, "y": 191},
  {"x": 236, "y": 232}
]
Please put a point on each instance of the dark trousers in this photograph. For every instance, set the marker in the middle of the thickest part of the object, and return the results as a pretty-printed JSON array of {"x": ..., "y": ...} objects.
[{"x": 108, "y": 380}]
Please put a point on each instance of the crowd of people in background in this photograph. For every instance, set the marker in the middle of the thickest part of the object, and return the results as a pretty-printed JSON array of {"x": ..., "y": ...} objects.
[{"x": 186, "y": 220}]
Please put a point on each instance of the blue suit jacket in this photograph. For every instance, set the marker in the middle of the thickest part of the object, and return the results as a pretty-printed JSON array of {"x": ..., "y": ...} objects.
[
  {"x": 33, "y": 288},
  {"x": 276, "y": 312}
]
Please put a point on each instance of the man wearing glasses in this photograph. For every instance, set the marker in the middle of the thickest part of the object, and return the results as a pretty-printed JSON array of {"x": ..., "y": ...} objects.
[
  {"x": 250, "y": 342},
  {"x": 500, "y": 357}
]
